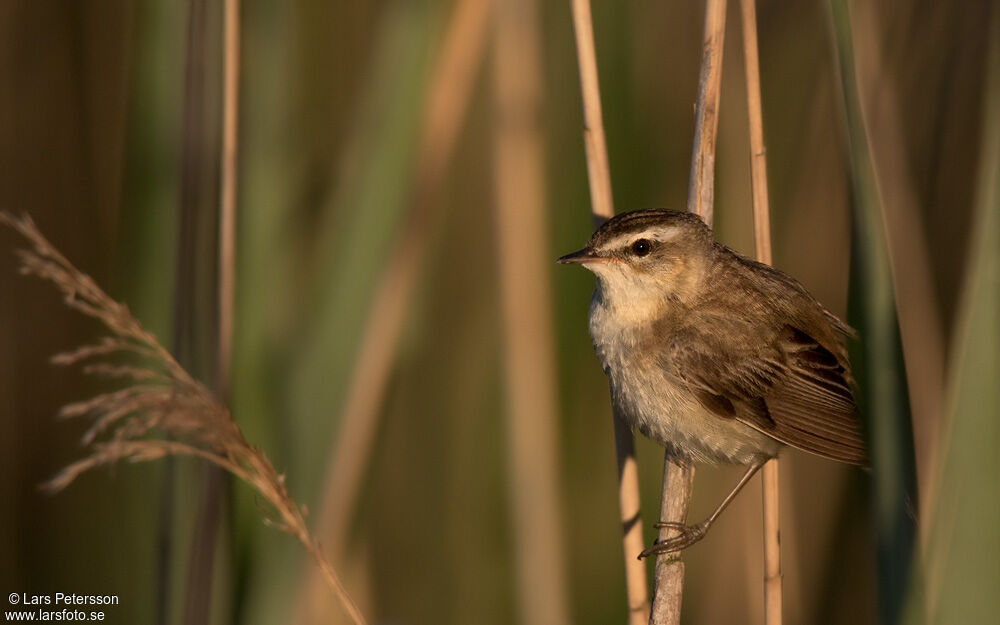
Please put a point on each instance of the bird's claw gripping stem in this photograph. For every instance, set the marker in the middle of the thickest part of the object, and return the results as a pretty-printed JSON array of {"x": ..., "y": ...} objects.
[{"x": 687, "y": 535}]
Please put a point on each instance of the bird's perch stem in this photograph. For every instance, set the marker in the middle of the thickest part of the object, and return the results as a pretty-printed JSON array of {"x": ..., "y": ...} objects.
[
  {"x": 762, "y": 240},
  {"x": 701, "y": 184},
  {"x": 668, "y": 582},
  {"x": 602, "y": 207},
  {"x": 678, "y": 477}
]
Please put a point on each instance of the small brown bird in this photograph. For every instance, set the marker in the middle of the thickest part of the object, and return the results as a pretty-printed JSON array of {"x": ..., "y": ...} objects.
[{"x": 715, "y": 356}]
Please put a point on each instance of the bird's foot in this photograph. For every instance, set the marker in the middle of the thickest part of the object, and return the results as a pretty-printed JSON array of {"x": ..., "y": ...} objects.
[{"x": 687, "y": 535}]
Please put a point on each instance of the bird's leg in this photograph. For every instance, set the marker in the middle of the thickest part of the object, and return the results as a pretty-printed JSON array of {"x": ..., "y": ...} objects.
[{"x": 690, "y": 534}]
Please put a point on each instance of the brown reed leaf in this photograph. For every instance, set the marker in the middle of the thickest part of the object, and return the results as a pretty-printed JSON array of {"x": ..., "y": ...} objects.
[{"x": 161, "y": 397}]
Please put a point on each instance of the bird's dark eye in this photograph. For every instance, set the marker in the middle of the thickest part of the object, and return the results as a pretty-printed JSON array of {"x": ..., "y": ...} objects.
[{"x": 641, "y": 247}]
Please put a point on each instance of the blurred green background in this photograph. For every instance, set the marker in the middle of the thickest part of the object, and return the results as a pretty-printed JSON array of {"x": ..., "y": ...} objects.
[{"x": 881, "y": 130}]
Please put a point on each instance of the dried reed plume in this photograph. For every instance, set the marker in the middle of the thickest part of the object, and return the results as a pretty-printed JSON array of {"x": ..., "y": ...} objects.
[{"x": 160, "y": 400}]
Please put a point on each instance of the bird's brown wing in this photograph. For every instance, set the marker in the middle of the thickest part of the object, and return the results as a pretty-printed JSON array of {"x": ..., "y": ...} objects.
[{"x": 792, "y": 389}]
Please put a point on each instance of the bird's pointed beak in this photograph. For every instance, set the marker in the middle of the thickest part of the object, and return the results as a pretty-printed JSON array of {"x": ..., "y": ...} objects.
[{"x": 581, "y": 257}]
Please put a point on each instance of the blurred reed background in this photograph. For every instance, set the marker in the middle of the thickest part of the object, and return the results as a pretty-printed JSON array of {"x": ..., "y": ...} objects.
[{"x": 406, "y": 171}]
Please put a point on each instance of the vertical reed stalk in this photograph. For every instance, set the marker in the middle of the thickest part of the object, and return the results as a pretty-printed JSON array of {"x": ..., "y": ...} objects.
[
  {"x": 598, "y": 171},
  {"x": 194, "y": 307},
  {"x": 758, "y": 154},
  {"x": 227, "y": 191},
  {"x": 701, "y": 184},
  {"x": 198, "y": 607},
  {"x": 602, "y": 208},
  {"x": 668, "y": 580},
  {"x": 445, "y": 109},
  {"x": 678, "y": 476},
  {"x": 762, "y": 239},
  {"x": 519, "y": 186},
  {"x": 772, "y": 544}
]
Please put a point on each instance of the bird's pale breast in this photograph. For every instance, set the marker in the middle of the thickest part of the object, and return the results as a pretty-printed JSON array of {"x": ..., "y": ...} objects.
[{"x": 659, "y": 406}]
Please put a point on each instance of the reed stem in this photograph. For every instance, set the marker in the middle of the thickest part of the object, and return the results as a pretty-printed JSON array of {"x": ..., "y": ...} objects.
[
  {"x": 762, "y": 240},
  {"x": 602, "y": 208},
  {"x": 678, "y": 476},
  {"x": 529, "y": 355},
  {"x": 227, "y": 192}
]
